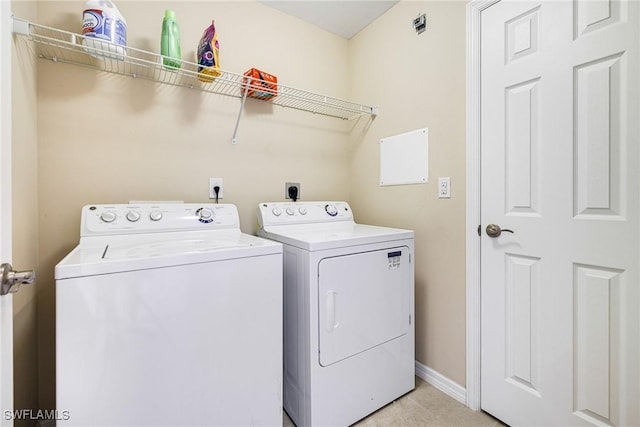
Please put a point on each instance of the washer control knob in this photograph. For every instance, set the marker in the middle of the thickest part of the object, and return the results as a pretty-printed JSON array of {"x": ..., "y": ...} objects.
[
  {"x": 133, "y": 216},
  {"x": 276, "y": 211},
  {"x": 108, "y": 216},
  {"x": 331, "y": 210},
  {"x": 303, "y": 211},
  {"x": 205, "y": 213},
  {"x": 290, "y": 211},
  {"x": 155, "y": 215}
]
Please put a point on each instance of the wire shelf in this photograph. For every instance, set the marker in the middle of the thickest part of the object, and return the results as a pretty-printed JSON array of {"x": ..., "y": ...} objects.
[{"x": 63, "y": 46}]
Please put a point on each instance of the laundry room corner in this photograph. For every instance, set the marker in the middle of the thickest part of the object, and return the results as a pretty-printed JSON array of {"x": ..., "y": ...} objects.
[
  {"x": 85, "y": 137},
  {"x": 418, "y": 81}
]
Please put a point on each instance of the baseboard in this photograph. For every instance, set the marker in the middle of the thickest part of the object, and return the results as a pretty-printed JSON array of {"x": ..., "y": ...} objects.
[{"x": 442, "y": 383}]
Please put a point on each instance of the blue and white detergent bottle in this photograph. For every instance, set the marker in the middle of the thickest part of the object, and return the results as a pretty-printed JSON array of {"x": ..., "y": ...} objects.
[{"x": 102, "y": 21}]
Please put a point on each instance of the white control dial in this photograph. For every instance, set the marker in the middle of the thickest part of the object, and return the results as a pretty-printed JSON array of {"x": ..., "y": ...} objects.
[
  {"x": 276, "y": 211},
  {"x": 155, "y": 215},
  {"x": 133, "y": 216},
  {"x": 303, "y": 211},
  {"x": 331, "y": 210},
  {"x": 205, "y": 213},
  {"x": 108, "y": 216},
  {"x": 290, "y": 211}
]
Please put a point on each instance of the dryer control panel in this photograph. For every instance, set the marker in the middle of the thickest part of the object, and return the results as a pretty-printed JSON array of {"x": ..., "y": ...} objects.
[
  {"x": 134, "y": 218},
  {"x": 282, "y": 213}
]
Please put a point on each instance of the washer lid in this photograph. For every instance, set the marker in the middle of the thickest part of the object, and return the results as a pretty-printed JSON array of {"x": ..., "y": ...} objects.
[
  {"x": 315, "y": 237},
  {"x": 112, "y": 254}
]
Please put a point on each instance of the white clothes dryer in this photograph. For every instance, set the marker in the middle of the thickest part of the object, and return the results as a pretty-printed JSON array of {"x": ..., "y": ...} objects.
[
  {"x": 168, "y": 315},
  {"x": 348, "y": 311}
]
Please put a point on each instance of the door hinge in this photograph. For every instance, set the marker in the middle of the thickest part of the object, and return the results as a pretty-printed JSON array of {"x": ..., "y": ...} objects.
[
  {"x": 409, "y": 319},
  {"x": 479, "y": 228}
]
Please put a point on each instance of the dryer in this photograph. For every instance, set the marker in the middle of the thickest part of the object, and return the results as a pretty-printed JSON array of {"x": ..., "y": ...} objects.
[
  {"x": 168, "y": 315},
  {"x": 348, "y": 311}
]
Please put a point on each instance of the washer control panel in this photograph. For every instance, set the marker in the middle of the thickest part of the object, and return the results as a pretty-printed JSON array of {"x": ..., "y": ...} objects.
[
  {"x": 281, "y": 213},
  {"x": 156, "y": 217}
]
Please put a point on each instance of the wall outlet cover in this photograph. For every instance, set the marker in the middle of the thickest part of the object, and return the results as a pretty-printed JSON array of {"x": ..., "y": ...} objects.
[{"x": 212, "y": 183}]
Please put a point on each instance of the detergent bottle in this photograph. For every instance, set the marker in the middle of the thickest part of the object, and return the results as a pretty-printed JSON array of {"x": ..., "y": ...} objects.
[
  {"x": 170, "y": 41},
  {"x": 102, "y": 22}
]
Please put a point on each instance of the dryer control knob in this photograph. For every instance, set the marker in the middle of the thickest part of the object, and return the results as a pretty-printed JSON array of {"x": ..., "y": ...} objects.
[
  {"x": 276, "y": 211},
  {"x": 133, "y": 216},
  {"x": 205, "y": 213},
  {"x": 108, "y": 216},
  {"x": 331, "y": 210},
  {"x": 290, "y": 211},
  {"x": 303, "y": 211},
  {"x": 155, "y": 215}
]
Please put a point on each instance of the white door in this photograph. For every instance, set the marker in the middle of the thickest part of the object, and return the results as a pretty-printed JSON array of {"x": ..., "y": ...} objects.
[
  {"x": 6, "y": 311},
  {"x": 560, "y": 168}
]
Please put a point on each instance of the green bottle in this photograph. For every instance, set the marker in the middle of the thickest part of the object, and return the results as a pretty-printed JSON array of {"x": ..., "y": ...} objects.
[{"x": 170, "y": 42}]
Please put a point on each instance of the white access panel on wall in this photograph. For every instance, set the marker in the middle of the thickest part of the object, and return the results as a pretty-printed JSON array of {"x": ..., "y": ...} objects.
[{"x": 404, "y": 158}]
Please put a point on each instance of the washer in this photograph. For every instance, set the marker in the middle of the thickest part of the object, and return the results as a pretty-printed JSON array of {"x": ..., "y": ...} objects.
[
  {"x": 168, "y": 315},
  {"x": 348, "y": 311}
]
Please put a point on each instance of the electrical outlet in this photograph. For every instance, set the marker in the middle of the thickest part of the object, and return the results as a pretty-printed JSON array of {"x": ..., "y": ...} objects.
[
  {"x": 287, "y": 185},
  {"x": 212, "y": 183},
  {"x": 444, "y": 187}
]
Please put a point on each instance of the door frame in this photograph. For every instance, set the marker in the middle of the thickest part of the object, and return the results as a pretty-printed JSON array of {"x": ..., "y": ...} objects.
[
  {"x": 474, "y": 11},
  {"x": 6, "y": 302},
  {"x": 5, "y": 129}
]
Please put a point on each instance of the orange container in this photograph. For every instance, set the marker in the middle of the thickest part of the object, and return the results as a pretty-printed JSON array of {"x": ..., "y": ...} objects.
[{"x": 263, "y": 85}]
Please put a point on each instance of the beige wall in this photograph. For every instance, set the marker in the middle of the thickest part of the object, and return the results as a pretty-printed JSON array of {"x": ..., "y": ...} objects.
[
  {"x": 110, "y": 139},
  {"x": 419, "y": 81},
  {"x": 25, "y": 220}
]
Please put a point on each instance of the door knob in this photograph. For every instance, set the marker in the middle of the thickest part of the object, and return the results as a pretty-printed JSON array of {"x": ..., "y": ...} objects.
[
  {"x": 10, "y": 280},
  {"x": 494, "y": 230}
]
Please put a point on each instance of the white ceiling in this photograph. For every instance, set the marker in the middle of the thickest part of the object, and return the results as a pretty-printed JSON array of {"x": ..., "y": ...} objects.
[{"x": 345, "y": 18}]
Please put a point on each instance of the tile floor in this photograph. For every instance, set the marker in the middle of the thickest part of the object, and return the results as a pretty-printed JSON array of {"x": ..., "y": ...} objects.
[{"x": 426, "y": 406}]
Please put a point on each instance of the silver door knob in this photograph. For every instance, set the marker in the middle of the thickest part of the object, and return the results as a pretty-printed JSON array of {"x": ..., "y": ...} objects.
[
  {"x": 494, "y": 230},
  {"x": 11, "y": 280}
]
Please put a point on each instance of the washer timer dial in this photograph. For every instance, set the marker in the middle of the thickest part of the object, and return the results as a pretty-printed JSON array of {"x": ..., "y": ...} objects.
[{"x": 205, "y": 215}]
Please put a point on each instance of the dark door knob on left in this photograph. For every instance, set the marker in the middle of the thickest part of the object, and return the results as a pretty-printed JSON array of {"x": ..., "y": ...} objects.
[{"x": 494, "y": 230}]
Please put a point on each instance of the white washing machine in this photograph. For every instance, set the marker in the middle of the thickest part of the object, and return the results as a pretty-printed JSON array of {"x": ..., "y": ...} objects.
[
  {"x": 168, "y": 315},
  {"x": 348, "y": 311}
]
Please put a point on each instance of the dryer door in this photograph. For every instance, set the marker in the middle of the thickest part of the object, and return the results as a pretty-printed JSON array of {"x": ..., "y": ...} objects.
[{"x": 363, "y": 301}]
